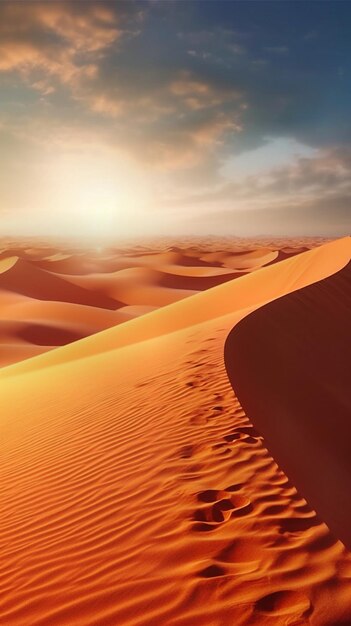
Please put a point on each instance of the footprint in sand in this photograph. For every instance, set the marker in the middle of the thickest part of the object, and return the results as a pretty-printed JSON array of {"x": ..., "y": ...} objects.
[
  {"x": 285, "y": 602},
  {"x": 231, "y": 437},
  {"x": 190, "y": 450},
  {"x": 249, "y": 430},
  {"x": 186, "y": 452},
  {"x": 212, "y": 571},
  {"x": 241, "y": 554},
  {"x": 298, "y": 524},
  {"x": 217, "y": 408},
  {"x": 215, "y": 411},
  {"x": 244, "y": 554},
  {"x": 246, "y": 434},
  {"x": 217, "y": 507},
  {"x": 198, "y": 420}
]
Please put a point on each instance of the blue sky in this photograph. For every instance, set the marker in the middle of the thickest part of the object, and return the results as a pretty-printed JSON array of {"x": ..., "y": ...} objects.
[{"x": 175, "y": 117}]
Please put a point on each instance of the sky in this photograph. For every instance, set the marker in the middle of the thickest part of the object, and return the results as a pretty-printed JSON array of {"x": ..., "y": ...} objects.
[{"x": 122, "y": 119}]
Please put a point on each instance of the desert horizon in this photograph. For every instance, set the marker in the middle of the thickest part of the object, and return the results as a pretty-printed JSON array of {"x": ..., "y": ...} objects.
[{"x": 175, "y": 306}]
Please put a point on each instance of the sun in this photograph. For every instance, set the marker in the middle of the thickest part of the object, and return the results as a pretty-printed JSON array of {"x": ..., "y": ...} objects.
[{"x": 98, "y": 197}]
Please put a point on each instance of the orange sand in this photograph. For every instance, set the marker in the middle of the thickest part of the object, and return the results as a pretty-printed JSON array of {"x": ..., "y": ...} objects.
[
  {"x": 135, "y": 490},
  {"x": 59, "y": 295}
]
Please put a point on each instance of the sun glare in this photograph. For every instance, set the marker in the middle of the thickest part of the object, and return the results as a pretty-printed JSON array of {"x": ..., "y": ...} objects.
[{"x": 98, "y": 197}]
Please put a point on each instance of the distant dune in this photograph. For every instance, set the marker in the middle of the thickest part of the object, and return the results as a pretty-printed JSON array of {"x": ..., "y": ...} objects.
[
  {"x": 26, "y": 279},
  {"x": 59, "y": 295},
  {"x": 137, "y": 492}
]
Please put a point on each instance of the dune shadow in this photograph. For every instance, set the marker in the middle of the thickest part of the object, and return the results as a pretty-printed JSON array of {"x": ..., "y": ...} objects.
[
  {"x": 289, "y": 365},
  {"x": 45, "y": 335},
  {"x": 26, "y": 279},
  {"x": 195, "y": 283}
]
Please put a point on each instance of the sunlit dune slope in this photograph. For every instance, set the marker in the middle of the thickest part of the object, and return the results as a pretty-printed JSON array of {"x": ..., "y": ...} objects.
[
  {"x": 136, "y": 492},
  {"x": 248, "y": 292},
  {"x": 299, "y": 396}
]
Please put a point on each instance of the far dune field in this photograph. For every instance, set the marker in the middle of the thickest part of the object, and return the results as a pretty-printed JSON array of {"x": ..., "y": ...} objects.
[{"x": 53, "y": 295}]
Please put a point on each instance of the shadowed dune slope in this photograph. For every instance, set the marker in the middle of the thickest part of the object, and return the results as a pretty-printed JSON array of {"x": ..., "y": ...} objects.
[
  {"x": 289, "y": 364},
  {"x": 37, "y": 334},
  {"x": 243, "y": 294}
]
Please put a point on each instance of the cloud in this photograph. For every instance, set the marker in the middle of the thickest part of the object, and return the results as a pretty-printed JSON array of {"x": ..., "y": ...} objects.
[
  {"x": 171, "y": 87},
  {"x": 61, "y": 40},
  {"x": 197, "y": 93},
  {"x": 187, "y": 144},
  {"x": 312, "y": 218},
  {"x": 312, "y": 195},
  {"x": 177, "y": 116},
  {"x": 329, "y": 171}
]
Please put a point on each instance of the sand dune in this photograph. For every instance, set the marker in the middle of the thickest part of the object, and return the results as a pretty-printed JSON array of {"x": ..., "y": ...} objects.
[
  {"x": 299, "y": 398},
  {"x": 86, "y": 263},
  {"x": 235, "y": 297},
  {"x": 196, "y": 271},
  {"x": 66, "y": 264},
  {"x": 249, "y": 260},
  {"x": 11, "y": 353},
  {"x": 136, "y": 491},
  {"x": 27, "y": 323},
  {"x": 22, "y": 277},
  {"x": 244, "y": 260},
  {"x": 154, "y": 287},
  {"x": 134, "y": 286},
  {"x": 38, "y": 334},
  {"x": 80, "y": 292},
  {"x": 174, "y": 256},
  {"x": 30, "y": 309},
  {"x": 40, "y": 308}
]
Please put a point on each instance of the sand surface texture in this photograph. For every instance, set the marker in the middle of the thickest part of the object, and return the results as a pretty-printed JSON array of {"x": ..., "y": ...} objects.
[{"x": 135, "y": 490}]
